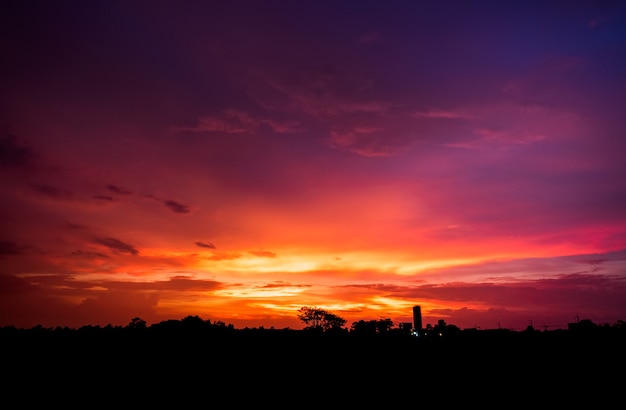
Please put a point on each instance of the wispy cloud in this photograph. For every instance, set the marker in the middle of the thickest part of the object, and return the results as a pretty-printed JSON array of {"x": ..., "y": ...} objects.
[
  {"x": 315, "y": 92},
  {"x": 239, "y": 122},
  {"x": 224, "y": 256},
  {"x": 89, "y": 255},
  {"x": 118, "y": 190},
  {"x": 366, "y": 142},
  {"x": 497, "y": 138},
  {"x": 104, "y": 198},
  {"x": 53, "y": 192},
  {"x": 172, "y": 205},
  {"x": 117, "y": 246},
  {"x": 205, "y": 245},
  {"x": 438, "y": 114},
  {"x": 176, "y": 206},
  {"x": 264, "y": 254},
  {"x": 181, "y": 283}
]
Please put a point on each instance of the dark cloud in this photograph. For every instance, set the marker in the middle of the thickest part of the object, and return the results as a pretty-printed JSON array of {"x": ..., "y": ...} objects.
[
  {"x": 53, "y": 192},
  {"x": 183, "y": 283},
  {"x": 118, "y": 190},
  {"x": 89, "y": 254},
  {"x": 13, "y": 154},
  {"x": 104, "y": 198},
  {"x": 172, "y": 205},
  {"x": 176, "y": 207},
  {"x": 117, "y": 246},
  {"x": 75, "y": 226},
  {"x": 174, "y": 283},
  {"x": 12, "y": 285},
  {"x": 9, "y": 248},
  {"x": 205, "y": 245}
]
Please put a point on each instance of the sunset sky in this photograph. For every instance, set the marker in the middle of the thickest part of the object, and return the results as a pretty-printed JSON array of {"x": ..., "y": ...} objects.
[{"x": 238, "y": 160}]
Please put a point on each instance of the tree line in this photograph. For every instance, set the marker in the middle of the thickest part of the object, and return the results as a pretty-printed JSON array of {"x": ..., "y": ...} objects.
[{"x": 317, "y": 321}]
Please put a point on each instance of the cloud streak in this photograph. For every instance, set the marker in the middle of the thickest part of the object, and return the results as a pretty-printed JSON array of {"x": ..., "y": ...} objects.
[
  {"x": 205, "y": 245},
  {"x": 117, "y": 246}
]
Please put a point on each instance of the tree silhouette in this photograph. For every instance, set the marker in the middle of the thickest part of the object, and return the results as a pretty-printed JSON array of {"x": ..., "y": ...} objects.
[
  {"x": 444, "y": 329},
  {"x": 137, "y": 323},
  {"x": 384, "y": 325},
  {"x": 320, "y": 319},
  {"x": 372, "y": 326}
]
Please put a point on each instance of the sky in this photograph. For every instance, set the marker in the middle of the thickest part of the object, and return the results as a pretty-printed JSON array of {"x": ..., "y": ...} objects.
[{"x": 238, "y": 160}]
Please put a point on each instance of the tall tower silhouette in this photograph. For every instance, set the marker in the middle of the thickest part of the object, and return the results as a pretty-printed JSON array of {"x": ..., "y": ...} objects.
[{"x": 417, "y": 319}]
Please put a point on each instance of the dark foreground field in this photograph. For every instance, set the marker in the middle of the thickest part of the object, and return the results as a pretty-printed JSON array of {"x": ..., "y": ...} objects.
[{"x": 287, "y": 368}]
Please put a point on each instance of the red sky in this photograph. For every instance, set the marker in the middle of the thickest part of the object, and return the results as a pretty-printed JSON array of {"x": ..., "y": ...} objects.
[{"x": 238, "y": 160}]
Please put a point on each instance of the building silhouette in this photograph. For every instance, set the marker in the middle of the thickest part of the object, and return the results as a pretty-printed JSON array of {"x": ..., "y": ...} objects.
[{"x": 417, "y": 320}]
